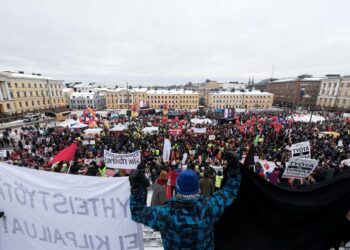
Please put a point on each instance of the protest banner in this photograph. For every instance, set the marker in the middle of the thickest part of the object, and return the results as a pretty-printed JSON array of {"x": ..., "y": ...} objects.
[
  {"x": 299, "y": 167},
  {"x": 166, "y": 150},
  {"x": 3, "y": 153},
  {"x": 199, "y": 130},
  {"x": 301, "y": 150},
  {"x": 45, "y": 210},
  {"x": 125, "y": 161}
]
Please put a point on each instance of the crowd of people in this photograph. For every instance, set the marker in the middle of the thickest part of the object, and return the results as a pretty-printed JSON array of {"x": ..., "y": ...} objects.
[{"x": 34, "y": 146}]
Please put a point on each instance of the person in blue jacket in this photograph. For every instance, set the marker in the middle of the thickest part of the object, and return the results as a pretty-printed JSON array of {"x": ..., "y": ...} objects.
[{"x": 187, "y": 220}]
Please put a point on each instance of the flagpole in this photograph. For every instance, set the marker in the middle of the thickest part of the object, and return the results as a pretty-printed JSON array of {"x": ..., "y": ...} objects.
[{"x": 70, "y": 165}]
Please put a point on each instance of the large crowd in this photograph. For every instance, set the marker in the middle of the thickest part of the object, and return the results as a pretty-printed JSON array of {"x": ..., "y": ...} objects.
[{"x": 34, "y": 146}]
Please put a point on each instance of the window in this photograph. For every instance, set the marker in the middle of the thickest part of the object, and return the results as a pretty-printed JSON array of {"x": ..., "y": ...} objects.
[
  {"x": 16, "y": 85},
  {"x": 8, "y": 106},
  {"x": 20, "y": 104},
  {"x": 18, "y": 94},
  {"x": 9, "y": 84},
  {"x": 26, "y": 104},
  {"x": 22, "y": 85},
  {"x": 31, "y": 94},
  {"x": 34, "y": 85},
  {"x": 11, "y": 94},
  {"x": 25, "y": 94},
  {"x": 33, "y": 103},
  {"x": 29, "y": 85}
]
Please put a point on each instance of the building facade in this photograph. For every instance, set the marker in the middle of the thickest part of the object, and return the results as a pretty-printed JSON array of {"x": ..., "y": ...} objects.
[
  {"x": 240, "y": 99},
  {"x": 21, "y": 93},
  {"x": 204, "y": 90},
  {"x": 295, "y": 92},
  {"x": 122, "y": 98},
  {"x": 176, "y": 99},
  {"x": 82, "y": 100},
  {"x": 334, "y": 93}
]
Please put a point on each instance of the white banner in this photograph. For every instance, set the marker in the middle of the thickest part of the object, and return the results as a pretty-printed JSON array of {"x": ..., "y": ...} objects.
[
  {"x": 3, "y": 153},
  {"x": 301, "y": 150},
  {"x": 211, "y": 137},
  {"x": 54, "y": 211},
  {"x": 166, "y": 150},
  {"x": 299, "y": 167},
  {"x": 199, "y": 130},
  {"x": 125, "y": 161}
]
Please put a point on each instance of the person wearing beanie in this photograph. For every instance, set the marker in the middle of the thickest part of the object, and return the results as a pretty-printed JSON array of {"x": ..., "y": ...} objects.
[
  {"x": 187, "y": 220},
  {"x": 159, "y": 189}
]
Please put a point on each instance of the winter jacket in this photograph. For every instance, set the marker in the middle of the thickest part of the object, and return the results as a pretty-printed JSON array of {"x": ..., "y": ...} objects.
[{"x": 185, "y": 224}]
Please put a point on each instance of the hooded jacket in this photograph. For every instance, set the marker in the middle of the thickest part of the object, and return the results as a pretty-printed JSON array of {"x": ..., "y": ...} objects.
[{"x": 185, "y": 224}]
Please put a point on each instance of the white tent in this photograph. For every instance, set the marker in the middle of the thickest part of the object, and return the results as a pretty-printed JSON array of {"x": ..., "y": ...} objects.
[
  {"x": 119, "y": 127},
  {"x": 93, "y": 131},
  {"x": 306, "y": 118},
  {"x": 67, "y": 123},
  {"x": 201, "y": 121},
  {"x": 78, "y": 125},
  {"x": 149, "y": 130}
]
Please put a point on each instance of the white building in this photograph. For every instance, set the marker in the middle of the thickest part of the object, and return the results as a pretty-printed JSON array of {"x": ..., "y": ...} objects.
[
  {"x": 87, "y": 99},
  {"x": 334, "y": 93},
  {"x": 86, "y": 87},
  {"x": 233, "y": 85},
  {"x": 240, "y": 99}
]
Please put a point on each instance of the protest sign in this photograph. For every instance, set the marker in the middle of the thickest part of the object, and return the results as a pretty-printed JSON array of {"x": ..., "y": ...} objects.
[
  {"x": 199, "y": 130},
  {"x": 3, "y": 153},
  {"x": 46, "y": 210},
  {"x": 211, "y": 137},
  {"x": 166, "y": 150},
  {"x": 125, "y": 161},
  {"x": 299, "y": 167},
  {"x": 217, "y": 168},
  {"x": 301, "y": 150}
]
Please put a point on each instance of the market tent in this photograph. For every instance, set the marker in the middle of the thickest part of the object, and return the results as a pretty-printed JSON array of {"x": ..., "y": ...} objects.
[
  {"x": 119, "y": 128},
  {"x": 201, "y": 120},
  {"x": 306, "y": 118},
  {"x": 78, "y": 125}
]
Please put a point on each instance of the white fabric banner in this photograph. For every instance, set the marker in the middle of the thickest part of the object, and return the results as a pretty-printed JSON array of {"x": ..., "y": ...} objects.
[
  {"x": 125, "y": 161},
  {"x": 166, "y": 150},
  {"x": 46, "y": 210},
  {"x": 3, "y": 153},
  {"x": 301, "y": 150},
  {"x": 199, "y": 130},
  {"x": 299, "y": 167}
]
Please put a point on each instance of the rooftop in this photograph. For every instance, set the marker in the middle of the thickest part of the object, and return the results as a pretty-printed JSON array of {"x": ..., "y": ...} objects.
[
  {"x": 295, "y": 79},
  {"x": 172, "y": 91},
  {"x": 9, "y": 74},
  {"x": 236, "y": 93}
]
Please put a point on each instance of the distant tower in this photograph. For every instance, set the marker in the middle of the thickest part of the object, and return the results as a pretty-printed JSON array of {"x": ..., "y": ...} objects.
[
  {"x": 253, "y": 81},
  {"x": 249, "y": 81}
]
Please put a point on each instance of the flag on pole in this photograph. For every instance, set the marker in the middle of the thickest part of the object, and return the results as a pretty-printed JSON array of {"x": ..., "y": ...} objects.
[{"x": 66, "y": 154}]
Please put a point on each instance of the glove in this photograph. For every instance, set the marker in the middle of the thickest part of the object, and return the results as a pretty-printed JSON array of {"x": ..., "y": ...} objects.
[{"x": 138, "y": 181}]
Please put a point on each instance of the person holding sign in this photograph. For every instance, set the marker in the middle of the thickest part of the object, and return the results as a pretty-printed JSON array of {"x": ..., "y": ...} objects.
[{"x": 187, "y": 220}]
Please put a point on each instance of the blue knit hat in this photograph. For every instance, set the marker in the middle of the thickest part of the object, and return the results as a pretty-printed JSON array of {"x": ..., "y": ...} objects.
[{"x": 187, "y": 183}]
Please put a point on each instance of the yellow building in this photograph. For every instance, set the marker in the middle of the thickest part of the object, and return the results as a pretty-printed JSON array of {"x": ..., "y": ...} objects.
[
  {"x": 177, "y": 99},
  {"x": 20, "y": 93},
  {"x": 238, "y": 99},
  {"x": 122, "y": 98}
]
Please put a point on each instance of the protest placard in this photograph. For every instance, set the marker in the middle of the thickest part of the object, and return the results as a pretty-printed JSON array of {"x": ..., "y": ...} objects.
[
  {"x": 299, "y": 167},
  {"x": 199, "y": 130},
  {"x": 69, "y": 212},
  {"x": 211, "y": 137},
  {"x": 125, "y": 161},
  {"x": 301, "y": 150}
]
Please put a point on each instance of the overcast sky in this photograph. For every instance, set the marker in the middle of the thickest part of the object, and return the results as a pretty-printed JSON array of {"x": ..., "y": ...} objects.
[{"x": 166, "y": 41}]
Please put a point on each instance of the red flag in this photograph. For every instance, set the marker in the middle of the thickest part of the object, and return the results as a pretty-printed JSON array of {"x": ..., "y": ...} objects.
[
  {"x": 168, "y": 193},
  {"x": 66, "y": 154}
]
